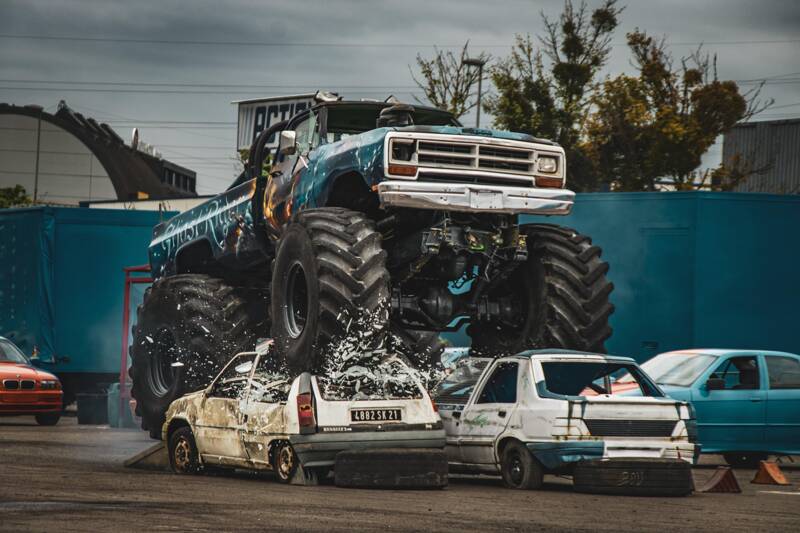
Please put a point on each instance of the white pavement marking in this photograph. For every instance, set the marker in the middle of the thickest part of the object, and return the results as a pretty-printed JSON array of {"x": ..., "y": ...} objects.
[{"x": 780, "y": 492}]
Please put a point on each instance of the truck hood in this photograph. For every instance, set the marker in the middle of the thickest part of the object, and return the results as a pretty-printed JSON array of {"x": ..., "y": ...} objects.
[{"x": 481, "y": 132}]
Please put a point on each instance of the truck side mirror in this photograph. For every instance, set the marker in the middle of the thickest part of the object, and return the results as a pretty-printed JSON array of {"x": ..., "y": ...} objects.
[
  {"x": 288, "y": 141},
  {"x": 715, "y": 384}
]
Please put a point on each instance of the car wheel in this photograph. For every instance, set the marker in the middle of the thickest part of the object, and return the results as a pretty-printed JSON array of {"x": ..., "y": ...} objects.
[
  {"x": 520, "y": 470},
  {"x": 745, "y": 460},
  {"x": 284, "y": 462},
  {"x": 183, "y": 456},
  {"x": 50, "y": 419}
]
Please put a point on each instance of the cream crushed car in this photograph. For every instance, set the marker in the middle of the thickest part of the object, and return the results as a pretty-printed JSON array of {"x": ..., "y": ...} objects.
[{"x": 252, "y": 417}]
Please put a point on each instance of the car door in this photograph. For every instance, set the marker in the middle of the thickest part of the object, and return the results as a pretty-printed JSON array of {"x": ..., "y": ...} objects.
[
  {"x": 218, "y": 424},
  {"x": 263, "y": 414},
  {"x": 783, "y": 404},
  {"x": 451, "y": 395},
  {"x": 488, "y": 412},
  {"x": 732, "y": 418}
]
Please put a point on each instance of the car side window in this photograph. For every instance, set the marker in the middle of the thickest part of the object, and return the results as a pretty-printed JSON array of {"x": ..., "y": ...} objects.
[
  {"x": 783, "y": 372},
  {"x": 269, "y": 383},
  {"x": 738, "y": 373},
  {"x": 232, "y": 383},
  {"x": 502, "y": 385}
]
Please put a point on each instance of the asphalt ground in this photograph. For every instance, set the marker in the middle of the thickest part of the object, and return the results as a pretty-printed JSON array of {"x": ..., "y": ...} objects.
[{"x": 71, "y": 478}]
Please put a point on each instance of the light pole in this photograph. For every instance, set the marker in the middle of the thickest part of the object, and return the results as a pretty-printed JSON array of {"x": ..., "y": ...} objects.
[{"x": 477, "y": 62}]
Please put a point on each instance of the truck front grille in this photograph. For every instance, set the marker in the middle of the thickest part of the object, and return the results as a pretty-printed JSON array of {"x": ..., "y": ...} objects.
[
  {"x": 475, "y": 156},
  {"x": 630, "y": 428}
]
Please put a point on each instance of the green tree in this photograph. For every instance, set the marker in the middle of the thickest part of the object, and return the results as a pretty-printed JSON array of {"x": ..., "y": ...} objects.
[
  {"x": 14, "y": 197},
  {"x": 657, "y": 125},
  {"x": 448, "y": 83},
  {"x": 546, "y": 91}
]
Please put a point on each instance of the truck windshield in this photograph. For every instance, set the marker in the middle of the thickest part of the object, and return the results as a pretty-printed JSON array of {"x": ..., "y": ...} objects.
[
  {"x": 9, "y": 353},
  {"x": 595, "y": 378},
  {"x": 351, "y": 119},
  {"x": 458, "y": 386},
  {"x": 677, "y": 369}
]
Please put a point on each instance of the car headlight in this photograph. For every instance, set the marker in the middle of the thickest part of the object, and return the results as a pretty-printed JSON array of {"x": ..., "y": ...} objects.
[
  {"x": 49, "y": 384},
  {"x": 547, "y": 164}
]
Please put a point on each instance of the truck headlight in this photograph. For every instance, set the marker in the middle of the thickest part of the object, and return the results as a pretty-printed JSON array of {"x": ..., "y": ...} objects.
[{"x": 547, "y": 164}]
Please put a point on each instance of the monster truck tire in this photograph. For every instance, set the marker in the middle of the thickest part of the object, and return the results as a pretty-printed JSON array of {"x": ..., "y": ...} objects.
[
  {"x": 193, "y": 319},
  {"x": 562, "y": 292},
  {"x": 329, "y": 268},
  {"x": 634, "y": 477},
  {"x": 401, "y": 468}
]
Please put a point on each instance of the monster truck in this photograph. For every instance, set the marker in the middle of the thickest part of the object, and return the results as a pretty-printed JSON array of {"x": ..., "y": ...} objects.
[{"x": 382, "y": 208}]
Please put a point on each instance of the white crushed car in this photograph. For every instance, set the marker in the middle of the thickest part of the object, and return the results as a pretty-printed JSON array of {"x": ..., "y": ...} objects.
[
  {"x": 558, "y": 412},
  {"x": 372, "y": 431}
]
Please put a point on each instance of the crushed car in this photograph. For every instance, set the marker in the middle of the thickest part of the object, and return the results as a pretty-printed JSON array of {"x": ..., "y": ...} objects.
[
  {"x": 554, "y": 412},
  {"x": 370, "y": 430}
]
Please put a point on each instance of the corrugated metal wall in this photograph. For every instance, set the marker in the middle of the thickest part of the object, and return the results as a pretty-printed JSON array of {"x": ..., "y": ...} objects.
[{"x": 772, "y": 148}]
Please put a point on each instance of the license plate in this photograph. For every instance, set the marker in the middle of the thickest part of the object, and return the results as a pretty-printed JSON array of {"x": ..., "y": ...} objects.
[
  {"x": 22, "y": 397},
  {"x": 375, "y": 415},
  {"x": 486, "y": 200}
]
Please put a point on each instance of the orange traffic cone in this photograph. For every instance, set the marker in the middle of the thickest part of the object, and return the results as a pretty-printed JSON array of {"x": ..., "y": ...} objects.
[
  {"x": 723, "y": 480},
  {"x": 769, "y": 473}
]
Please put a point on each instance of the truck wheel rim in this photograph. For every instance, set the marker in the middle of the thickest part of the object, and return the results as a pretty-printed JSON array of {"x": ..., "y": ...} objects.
[
  {"x": 162, "y": 374},
  {"x": 296, "y": 300},
  {"x": 182, "y": 454},
  {"x": 285, "y": 462}
]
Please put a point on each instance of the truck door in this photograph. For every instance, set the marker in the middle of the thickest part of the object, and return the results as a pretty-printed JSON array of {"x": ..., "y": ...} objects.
[
  {"x": 218, "y": 423},
  {"x": 488, "y": 412},
  {"x": 285, "y": 190}
]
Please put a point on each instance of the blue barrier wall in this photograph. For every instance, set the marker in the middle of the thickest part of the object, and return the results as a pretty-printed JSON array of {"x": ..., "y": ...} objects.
[
  {"x": 690, "y": 270},
  {"x": 697, "y": 269},
  {"x": 61, "y": 281}
]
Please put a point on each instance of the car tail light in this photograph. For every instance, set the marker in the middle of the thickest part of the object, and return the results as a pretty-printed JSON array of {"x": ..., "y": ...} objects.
[
  {"x": 433, "y": 404},
  {"x": 305, "y": 410}
]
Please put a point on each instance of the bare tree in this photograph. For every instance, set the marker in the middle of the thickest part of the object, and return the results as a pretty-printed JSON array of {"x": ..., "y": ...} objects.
[{"x": 447, "y": 81}]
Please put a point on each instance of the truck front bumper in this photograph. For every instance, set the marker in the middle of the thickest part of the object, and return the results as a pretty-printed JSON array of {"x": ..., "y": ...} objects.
[
  {"x": 467, "y": 197},
  {"x": 320, "y": 449}
]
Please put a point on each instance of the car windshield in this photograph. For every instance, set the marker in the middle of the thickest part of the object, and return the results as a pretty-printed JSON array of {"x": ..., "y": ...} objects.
[
  {"x": 678, "y": 369},
  {"x": 457, "y": 387},
  {"x": 9, "y": 353},
  {"x": 391, "y": 379},
  {"x": 579, "y": 378},
  {"x": 351, "y": 119}
]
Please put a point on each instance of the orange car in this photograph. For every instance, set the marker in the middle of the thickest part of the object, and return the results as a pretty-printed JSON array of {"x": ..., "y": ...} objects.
[{"x": 26, "y": 390}]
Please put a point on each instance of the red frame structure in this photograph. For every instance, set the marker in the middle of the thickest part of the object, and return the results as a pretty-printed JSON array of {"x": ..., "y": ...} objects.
[{"x": 132, "y": 275}]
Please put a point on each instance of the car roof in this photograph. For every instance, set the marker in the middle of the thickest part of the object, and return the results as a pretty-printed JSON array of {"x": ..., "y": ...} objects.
[
  {"x": 729, "y": 351},
  {"x": 574, "y": 355}
]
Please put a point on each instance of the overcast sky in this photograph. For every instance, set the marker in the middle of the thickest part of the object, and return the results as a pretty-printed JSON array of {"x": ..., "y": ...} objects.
[{"x": 350, "y": 46}]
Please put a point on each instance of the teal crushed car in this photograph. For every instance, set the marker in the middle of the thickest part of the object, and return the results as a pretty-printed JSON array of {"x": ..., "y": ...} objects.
[{"x": 376, "y": 209}]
